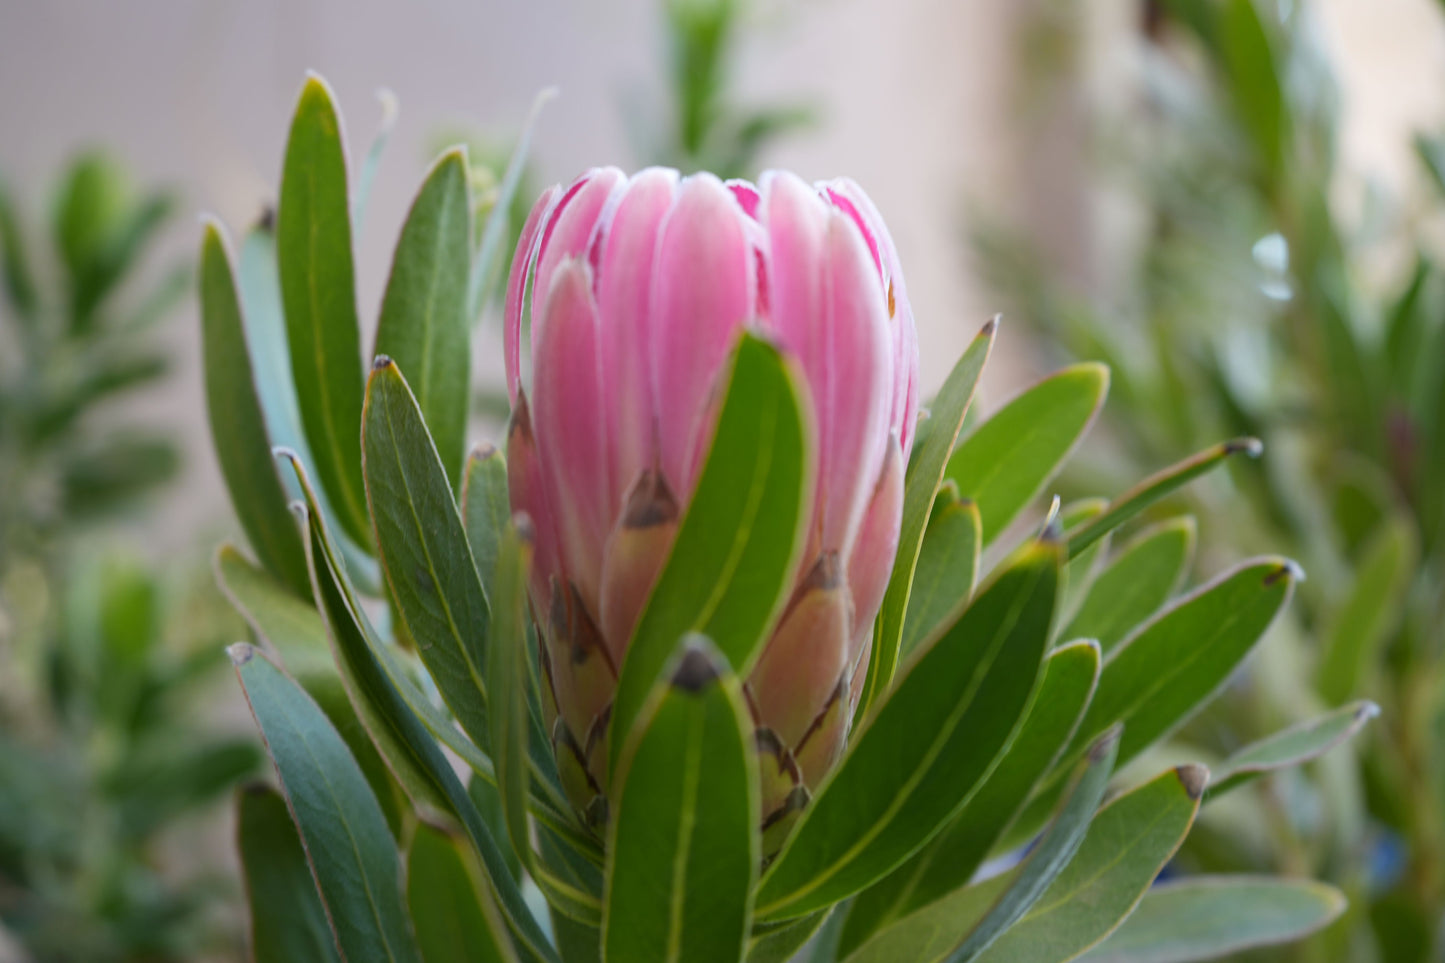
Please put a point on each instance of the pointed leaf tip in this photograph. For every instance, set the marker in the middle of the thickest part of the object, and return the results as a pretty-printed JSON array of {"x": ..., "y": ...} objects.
[
  {"x": 1367, "y": 710},
  {"x": 381, "y": 361},
  {"x": 1105, "y": 744},
  {"x": 483, "y": 451},
  {"x": 696, "y": 671},
  {"x": 241, "y": 653},
  {"x": 991, "y": 325},
  {"x": 1252, "y": 447},
  {"x": 526, "y": 530},
  {"x": 1287, "y": 569},
  {"x": 1194, "y": 778}
]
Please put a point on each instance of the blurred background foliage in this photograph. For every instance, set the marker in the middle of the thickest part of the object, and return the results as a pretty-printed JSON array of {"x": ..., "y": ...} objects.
[
  {"x": 103, "y": 662},
  {"x": 1258, "y": 296}
]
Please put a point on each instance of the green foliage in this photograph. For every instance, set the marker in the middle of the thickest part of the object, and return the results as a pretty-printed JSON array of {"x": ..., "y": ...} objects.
[
  {"x": 1256, "y": 301},
  {"x": 977, "y": 729}
]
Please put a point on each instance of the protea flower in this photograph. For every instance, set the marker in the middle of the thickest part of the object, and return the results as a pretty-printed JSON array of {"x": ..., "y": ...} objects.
[{"x": 637, "y": 288}]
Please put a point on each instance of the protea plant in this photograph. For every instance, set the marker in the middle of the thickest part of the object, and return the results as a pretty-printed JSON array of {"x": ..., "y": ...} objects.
[{"x": 714, "y": 638}]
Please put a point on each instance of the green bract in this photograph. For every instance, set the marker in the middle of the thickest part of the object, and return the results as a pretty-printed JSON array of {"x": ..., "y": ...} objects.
[{"x": 985, "y": 722}]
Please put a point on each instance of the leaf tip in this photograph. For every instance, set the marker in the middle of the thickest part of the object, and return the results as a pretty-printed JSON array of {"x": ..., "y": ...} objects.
[
  {"x": 1194, "y": 778},
  {"x": 524, "y": 527},
  {"x": 1367, "y": 710},
  {"x": 483, "y": 451},
  {"x": 1288, "y": 570},
  {"x": 1252, "y": 447},
  {"x": 695, "y": 671},
  {"x": 241, "y": 653},
  {"x": 1105, "y": 744},
  {"x": 990, "y": 327},
  {"x": 381, "y": 362}
]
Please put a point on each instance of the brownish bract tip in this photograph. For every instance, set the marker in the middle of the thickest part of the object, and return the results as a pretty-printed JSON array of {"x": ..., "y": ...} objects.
[{"x": 1194, "y": 778}]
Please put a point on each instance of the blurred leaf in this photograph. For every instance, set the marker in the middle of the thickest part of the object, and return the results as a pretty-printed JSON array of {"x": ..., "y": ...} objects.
[
  {"x": 288, "y": 921},
  {"x": 91, "y": 203},
  {"x": 684, "y": 844},
  {"x": 450, "y": 906},
  {"x": 732, "y": 566},
  {"x": 947, "y": 567},
  {"x": 1155, "y": 487},
  {"x": 318, "y": 289},
  {"x": 110, "y": 373},
  {"x": 118, "y": 253},
  {"x": 15, "y": 260},
  {"x": 1212, "y": 916},
  {"x": 1369, "y": 611},
  {"x": 424, "y": 327},
  {"x": 238, "y": 429},
  {"x": 952, "y": 858},
  {"x": 343, "y": 829},
  {"x": 106, "y": 475},
  {"x": 1431, "y": 150},
  {"x": 423, "y": 547},
  {"x": 1291, "y": 747},
  {"x": 390, "y": 108},
  {"x": 1127, "y": 845},
  {"x": 1254, "y": 82},
  {"x": 925, "y": 750},
  {"x": 152, "y": 792},
  {"x": 924, "y": 474},
  {"x": 1007, "y": 460},
  {"x": 1138, "y": 580}
]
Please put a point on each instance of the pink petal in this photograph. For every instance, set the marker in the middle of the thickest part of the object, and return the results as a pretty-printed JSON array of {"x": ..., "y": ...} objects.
[
  {"x": 874, "y": 550},
  {"x": 855, "y": 425},
  {"x": 528, "y": 494},
  {"x": 567, "y": 415},
  {"x": 624, "y": 284},
  {"x": 516, "y": 288},
  {"x": 703, "y": 291},
  {"x": 569, "y": 229}
]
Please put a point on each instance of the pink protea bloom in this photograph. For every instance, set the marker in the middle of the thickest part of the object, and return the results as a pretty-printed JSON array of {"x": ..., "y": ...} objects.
[{"x": 637, "y": 288}]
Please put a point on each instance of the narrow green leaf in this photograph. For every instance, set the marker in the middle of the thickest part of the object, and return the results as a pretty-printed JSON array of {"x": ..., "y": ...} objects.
[
  {"x": 1208, "y": 917},
  {"x": 1127, "y": 845},
  {"x": 318, "y": 289},
  {"x": 450, "y": 904},
  {"x": 404, "y": 741},
  {"x": 1172, "y": 664},
  {"x": 684, "y": 843},
  {"x": 1291, "y": 747},
  {"x": 1254, "y": 81},
  {"x": 1053, "y": 851},
  {"x": 288, "y": 920},
  {"x": 486, "y": 509},
  {"x": 1370, "y": 611},
  {"x": 390, "y": 109},
  {"x": 1155, "y": 487},
  {"x": 952, "y": 858},
  {"x": 947, "y": 568},
  {"x": 733, "y": 564},
  {"x": 928, "y": 746},
  {"x": 342, "y": 827},
  {"x": 424, "y": 326},
  {"x": 424, "y": 551},
  {"x": 14, "y": 260},
  {"x": 238, "y": 429},
  {"x": 1081, "y": 569},
  {"x": 291, "y": 627},
  {"x": 783, "y": 943},
  {"x": 1136, "y": 582},
  {"x": 1006, "y": 461},
  {"x": 920, "y": 486},
  {"x": 494, "y": 233}
]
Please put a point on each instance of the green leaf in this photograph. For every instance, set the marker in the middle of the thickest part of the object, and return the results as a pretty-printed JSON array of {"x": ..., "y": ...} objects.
[
  {"x": 288, "y": 921},
  {"x": 1127, "y": 845},
  {"x": 1291, "y": 747},
  {"x": 684, "y": 843},
  {"x": 486, "y": 509},
  {"x": 1254, "y": 81},
  {"x": 238, "y": 429},
  {"x": 1171, "y": 665},
  {"x": 1006, "y": 461},
  {"x": 927, "y": 747},
  {"x": 1370, "y": 610},
  {"x": 733, "y": 564},
  {"x": 341, "y": 825},
  {"x": 318, "y": 289},
  {"x": 1155, "y": 487},
  {"x": 494, "y": 234},
  {"x": 947, "y": 568},
  {"x": 1203, "y": 918},
  {"x": 1051, "y": 854},
  {"x": 390, "y": 108},
  {"x": 107, "y": 474},
  {"x": 292, "y": 628},
  {"x": 408, "y": 746},
  {"x": 952, "y": 858},
  {"x": 1081, "y": 570},
  {"x": 15, "y": 261},
  {"x": 962, "y": 924},
  {"x": 782, "y": 944},
  {"x": 920, "y": 486},
  {"x": 424, "y": 551},
  {"x": 424, "y": 326},
  {"x": 450, "y": 905},
  {"x": 1136, "y": 582}
]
